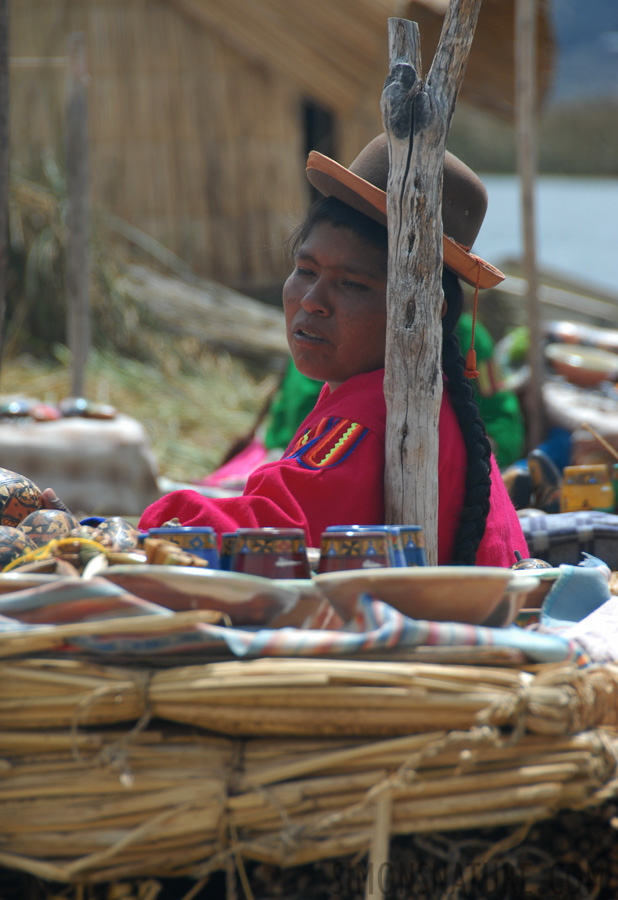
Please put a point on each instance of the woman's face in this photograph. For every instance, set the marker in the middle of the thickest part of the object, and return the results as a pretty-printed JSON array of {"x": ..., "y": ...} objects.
[{"x": 335, "y": 305}]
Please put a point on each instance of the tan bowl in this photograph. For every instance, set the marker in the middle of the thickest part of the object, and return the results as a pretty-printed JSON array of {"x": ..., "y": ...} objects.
[
  {"x": 584, "y": 366},
  {"x": 475, "y": 594}
]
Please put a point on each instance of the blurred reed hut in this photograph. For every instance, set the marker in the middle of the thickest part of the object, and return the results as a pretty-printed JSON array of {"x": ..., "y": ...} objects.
[{"x": 202, "y": 112}]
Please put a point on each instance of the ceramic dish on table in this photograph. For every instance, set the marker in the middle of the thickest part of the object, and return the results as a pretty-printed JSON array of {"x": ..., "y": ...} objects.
[
  {"x": 546, "y": 579},
  {"x": 246, "y": 599},
  {"x": 478, "y": 595},
  {"x": 10, "y": 582},
  {"x": 581, "y": 365}
]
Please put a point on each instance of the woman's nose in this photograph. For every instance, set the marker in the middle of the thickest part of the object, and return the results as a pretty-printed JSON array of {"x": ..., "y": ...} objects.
[{"x": 315, "y": 300}]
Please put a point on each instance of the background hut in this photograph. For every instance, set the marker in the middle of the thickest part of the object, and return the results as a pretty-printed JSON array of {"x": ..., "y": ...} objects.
[{"x": 202, "y": 112}]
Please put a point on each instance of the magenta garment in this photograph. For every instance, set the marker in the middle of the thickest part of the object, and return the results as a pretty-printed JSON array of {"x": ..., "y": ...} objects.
[{"x": 333, "y": 473}]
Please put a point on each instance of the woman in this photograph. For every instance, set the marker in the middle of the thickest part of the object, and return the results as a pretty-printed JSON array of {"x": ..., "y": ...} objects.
[{"x": 335, "y": 311}]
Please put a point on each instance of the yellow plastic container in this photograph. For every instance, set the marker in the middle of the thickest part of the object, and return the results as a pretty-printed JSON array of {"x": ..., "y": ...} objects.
[{"x": 586, "y": 487}]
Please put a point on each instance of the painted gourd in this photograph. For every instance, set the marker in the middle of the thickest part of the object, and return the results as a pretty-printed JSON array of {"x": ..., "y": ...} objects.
[
  {"x": 13, "y": 544},
  {"x": 19, "y": 496},
  {"x": 116, "y": 534},
  {"x": 45, "y": 525}
]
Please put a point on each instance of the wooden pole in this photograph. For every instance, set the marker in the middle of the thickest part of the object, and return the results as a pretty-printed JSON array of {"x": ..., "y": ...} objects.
[
  {"x": 525, "y": 106},
  {"x": 78, "y": 213},
  {"x": 417, "y": 116},
  {"x": 4, "y": 163}
]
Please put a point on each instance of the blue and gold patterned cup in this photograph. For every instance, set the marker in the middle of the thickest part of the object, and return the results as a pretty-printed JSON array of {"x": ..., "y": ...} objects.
[
  {"x": 200, "y": 540},
  {"x": 396, "y": 554},
  {"x": 271, "y": 553},
  {"x": 413, "y": 541},
  {"x": 355, "y": 549},
  {"x": 226, "y": 550}
]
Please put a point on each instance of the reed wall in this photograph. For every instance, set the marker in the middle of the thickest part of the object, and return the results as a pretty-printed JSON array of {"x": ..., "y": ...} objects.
[
  {"x": 196, "y": 107},
  {"x": 195, "y": 141}
]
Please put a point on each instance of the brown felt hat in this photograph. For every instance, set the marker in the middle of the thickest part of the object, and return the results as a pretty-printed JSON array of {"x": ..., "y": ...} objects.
[{"x": 464, "y": 201}]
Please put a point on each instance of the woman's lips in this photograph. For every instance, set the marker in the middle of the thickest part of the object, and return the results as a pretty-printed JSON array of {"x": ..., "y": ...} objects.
[{"x": 307, "y": 335}]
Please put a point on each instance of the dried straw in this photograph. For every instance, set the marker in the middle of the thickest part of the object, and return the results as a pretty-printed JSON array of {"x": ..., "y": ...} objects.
[
  {"x": 302, "y": 697},
  {"x": 311, "y": 753}
]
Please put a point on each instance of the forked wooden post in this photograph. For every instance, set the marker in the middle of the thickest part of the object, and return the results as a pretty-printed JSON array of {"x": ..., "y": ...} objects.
[
  {"x": 417, "y": 115},
  {"x": 78, "y": 212},
  {"x": 4, "y": 162},
  {"x": 525, "y": 106}
]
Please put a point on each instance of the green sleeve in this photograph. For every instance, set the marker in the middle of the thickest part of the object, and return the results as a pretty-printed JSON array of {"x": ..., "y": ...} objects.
[
  {"x": 293, "y": 402},
  {"x": 500, "y": 409}
]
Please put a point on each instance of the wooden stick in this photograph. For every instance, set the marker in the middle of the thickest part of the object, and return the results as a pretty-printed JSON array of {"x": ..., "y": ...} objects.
[
  {"x": 4, "y": 163},
  {"x": 78, "y": 213},
  {"x": 377, "y": 883},
  {"x": 600, "y": 439}
]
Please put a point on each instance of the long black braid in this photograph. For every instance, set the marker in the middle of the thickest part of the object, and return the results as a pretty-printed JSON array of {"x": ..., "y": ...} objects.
[
  {"x": 478, "y": 471},
  {"x": 478, "y": 481}
]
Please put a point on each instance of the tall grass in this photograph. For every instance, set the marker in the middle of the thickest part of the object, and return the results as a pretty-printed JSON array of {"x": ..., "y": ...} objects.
[{"x": 193, "y": 403}]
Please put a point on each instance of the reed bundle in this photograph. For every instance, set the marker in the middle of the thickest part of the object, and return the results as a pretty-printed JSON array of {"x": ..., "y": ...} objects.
[
  {"x": 296, "y": 697},
  {"x": 110, "y": 804},
  {"x": 110, "y": 772}
]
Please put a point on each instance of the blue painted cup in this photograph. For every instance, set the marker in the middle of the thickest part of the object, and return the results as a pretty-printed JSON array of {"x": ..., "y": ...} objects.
[
  {"x": 356, "y": 548},
  {"x": 226, "y": 550},
  {"x": 200, "y": 540},
  {"x": 396, "y": 554},
  {"x": 413, "y": 541},
  {"x": 270, "y": 553}
]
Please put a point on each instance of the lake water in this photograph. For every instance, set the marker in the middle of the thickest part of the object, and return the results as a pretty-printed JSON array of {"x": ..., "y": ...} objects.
[{"x": 576, "y": 226}]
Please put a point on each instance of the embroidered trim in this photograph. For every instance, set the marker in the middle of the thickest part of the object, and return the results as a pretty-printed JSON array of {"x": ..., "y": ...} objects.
[{"x": 328, "y": 444}]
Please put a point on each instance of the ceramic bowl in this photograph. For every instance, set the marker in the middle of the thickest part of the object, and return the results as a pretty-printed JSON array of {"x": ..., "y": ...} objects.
[
  {"x": 584, "y": 366},
  {"x": 476, "y": 594},
  {"x": 245, "y": 599},
  {"x": 546, "y": 578}
]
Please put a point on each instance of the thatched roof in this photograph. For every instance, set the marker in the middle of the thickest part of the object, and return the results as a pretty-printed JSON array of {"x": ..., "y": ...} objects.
[
  {"x": 333, "y": 51},
  {"x": 327, "y": 49}
]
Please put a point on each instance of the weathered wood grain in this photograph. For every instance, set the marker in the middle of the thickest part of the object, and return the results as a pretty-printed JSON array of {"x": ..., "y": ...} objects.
[{"x": 417, "y": 116}]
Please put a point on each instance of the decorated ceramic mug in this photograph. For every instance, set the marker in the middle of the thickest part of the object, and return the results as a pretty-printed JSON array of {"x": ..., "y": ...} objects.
[
  {"x": 270, "y": 552},
  {"x": 396, "y": 554},
  {"x": 355, "y": 549},
  {"x": 200, "y": 540},
  {"x": 413, "y": 540},
  {"x": 226, "y": 549}
]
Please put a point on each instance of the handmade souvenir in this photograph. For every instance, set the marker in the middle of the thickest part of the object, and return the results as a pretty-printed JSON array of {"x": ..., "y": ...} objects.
[
  {"x": 199, "y": 540},
  {"x": 586, "y": 487},
  {"x": 245, "y": 599},
  {"x": 116, "y": 534},
  {"x": 413, "y": 540},
  {"x": 13, "y": 544},
  {"x": 473, "y": 594},
  {"x": 357, "y": 549},
  {"x": 584, "y": 366},
  {"x": 79, "y": 406},
  {"x": 45, "y": 525},
  {"x": 15, "y": 409},
  {"x": 158, "y": 552},
  {"x": 18, "y": 497},
  {"x": 271, "y": 552},
  {"x": 225, "y": 553},
  {"x": 396, "y": 555}
]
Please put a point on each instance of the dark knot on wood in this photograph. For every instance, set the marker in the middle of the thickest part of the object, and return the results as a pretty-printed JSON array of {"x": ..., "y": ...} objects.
[
  {"x": 410, "y": 315},
  {"x": 401, "y": 87}
]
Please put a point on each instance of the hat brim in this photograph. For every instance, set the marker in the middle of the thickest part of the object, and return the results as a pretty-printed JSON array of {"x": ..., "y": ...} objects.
[{"x": 332, "y": 179}]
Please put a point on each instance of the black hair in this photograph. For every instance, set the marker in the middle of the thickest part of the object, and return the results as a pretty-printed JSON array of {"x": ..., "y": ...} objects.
[
  {"x": 478, "y": 449},
  {"x": 338, "y": 214}
]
